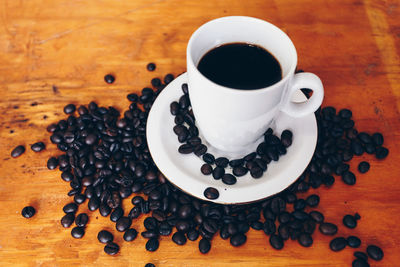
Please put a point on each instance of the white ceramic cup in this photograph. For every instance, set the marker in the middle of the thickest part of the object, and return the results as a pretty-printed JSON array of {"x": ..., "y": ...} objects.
[{"x": 232, "y": 120}]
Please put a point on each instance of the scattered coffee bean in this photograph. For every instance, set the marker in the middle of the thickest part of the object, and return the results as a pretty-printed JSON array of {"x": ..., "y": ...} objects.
[
  {"x": 204, "y": 246},
  {"x": 152, "y": 244},
  {"x": 67, "y": 220},
  {"x": 312, "y": 200},
  {"x": 349, "y": 178},
  {"x": 377, "y": 139},
  {"x": 229, "y": 179},
  {"x": 52, "y": 163},
  {"x": 238, "y": 239},
  {"x": 151, "y": 66},
  {"x": 109, "y": 78},
  {"x": 317, "y": 216},
  {"x": 276, "y": 242},
  {"x": 349, "y": 221},
  {"x": 381, "y": 152},
  {"x": 328, "y": 228},
  {"x": 28, "y": 212},
  {"x": 360, "y": 255},
  {"x": 353, "y": 241},
  {"x": 211, "y": 193},
  {"x": 123, "y": 224},
  {"x": 105, "y": 236},
  {"x": 78, "y": 232},
  {"x": 81, "y": 220},
  {"x": 69, "y": 109},
  {"x": 360, "y": 263},
  {"x": 70, "y": 208},
  {"x": 179, "y": 238},
  {"x": 375, "y": 252},
  {"x": 149, "y": 265},
  {"x": 111, "y": 248},
  {"x": 37, "y": 147},
  {"x": 116, "y": 214},
  {"x": 206, "y": 169},
  {"x": 130, "y": 235},
  {"x": 338, "y": 243},
  {"x": 305, "y": 240},
  {"x": 17, "y": 151}
]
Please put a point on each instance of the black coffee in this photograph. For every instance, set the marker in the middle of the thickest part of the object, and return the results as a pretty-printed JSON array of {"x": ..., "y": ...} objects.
[{"x": 240, "y": 66}]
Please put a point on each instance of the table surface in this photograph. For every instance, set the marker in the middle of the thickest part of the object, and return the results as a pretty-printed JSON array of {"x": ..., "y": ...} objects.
[{"x": 57, "y": 52}]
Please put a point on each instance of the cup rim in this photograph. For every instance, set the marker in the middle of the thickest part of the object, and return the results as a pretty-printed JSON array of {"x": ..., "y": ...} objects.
[{"x": 284, "y": 79}]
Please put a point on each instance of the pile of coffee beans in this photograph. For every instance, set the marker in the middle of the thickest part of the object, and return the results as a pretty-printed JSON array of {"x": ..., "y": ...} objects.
[
  {"x": 105, "y": 159},
  {"x": 256, "y": 162}
]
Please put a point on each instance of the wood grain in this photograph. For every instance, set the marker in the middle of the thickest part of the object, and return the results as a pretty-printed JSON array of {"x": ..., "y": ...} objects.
[{"x": 57, "y": 52}]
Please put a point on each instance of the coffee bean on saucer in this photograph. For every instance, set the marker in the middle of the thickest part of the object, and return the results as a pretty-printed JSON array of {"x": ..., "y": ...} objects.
[
  {"x": 81, "y": 220},
  {"x": 338, "y": 243},
  {"x": 130, "y": 235},
  {"x": 200, "y": 150},
  {"x": 229, "y": 179},
  {"x": 353, "y": 241},
  {"x": 256, "y": 172},
  {"x": 78, "y": 232},
  {"x": 221, "y": 162},
  {"x": 111, "y": 248},
  {"x": 286, "y": 138},
  {"x": 109, "y": 78},
  {"x": 17, "y": 151},
  {"x": 208, "y": 158},
  {"x": 206, "y": 169},
  {"x": 28, "y": 212},
  {"x": 363, "y": 167},
  {"x": 185, "y": 149},
  {"x": 38, "y": 146},
  {"x": 360, "y": 263},
  {"x": 211, "y": 193},
  {"x": 168, "y": 78},
  {"x": 375, "y": 252},
  {"x": 239, "y": 171},
  {"x": 218, "y": 172},
  {"x": 151, "y": 66},
  {"x": 152, "y": 244},
  {"x": 105, "y": 236},
  {"x": 174, "y": 108}
]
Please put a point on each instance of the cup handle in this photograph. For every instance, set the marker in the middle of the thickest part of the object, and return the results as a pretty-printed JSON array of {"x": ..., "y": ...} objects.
[{"x": 299, "y": 81}]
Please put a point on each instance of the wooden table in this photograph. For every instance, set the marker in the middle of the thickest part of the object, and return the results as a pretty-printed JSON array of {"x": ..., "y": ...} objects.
[{"x": 57, "y": 52}]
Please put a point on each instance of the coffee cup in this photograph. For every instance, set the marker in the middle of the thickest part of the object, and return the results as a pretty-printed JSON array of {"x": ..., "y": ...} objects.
[{"x": 232, "y": 120}]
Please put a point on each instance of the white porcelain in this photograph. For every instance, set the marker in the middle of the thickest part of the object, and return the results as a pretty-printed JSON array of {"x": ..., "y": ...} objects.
[
  {"x": 230, "y": 119},
  {"x": 184, "y": 170}
]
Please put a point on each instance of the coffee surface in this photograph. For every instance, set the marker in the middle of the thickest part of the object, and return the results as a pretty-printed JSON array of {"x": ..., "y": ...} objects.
[{"x": 240, "y": 66}]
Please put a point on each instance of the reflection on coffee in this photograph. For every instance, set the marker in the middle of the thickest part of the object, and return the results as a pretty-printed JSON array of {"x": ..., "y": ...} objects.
[{"x": 240, "y": 66}]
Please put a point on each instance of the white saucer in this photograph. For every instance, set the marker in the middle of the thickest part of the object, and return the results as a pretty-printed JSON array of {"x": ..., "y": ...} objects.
[{"x": 184, "y": 170}]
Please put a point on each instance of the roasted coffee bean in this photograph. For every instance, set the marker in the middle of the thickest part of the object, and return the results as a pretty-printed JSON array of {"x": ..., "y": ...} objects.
[
  {"x": 123, "y": 224},
  {"x": 150, "y": 223},
  {"x": 111, "y": 248},
  {"x": 317, "y": 216},
  {"x": 256, "y": 172},
  {"x": 229, "y": 179},
  {"x": 286, "y": 138},
  {"x": 353, "y": 241},
  {"x": 105, "y": 236},
  {"x": 149, "y": 265},
  {"x": 349, "y": 221},
  {"x": 305, "y": 240},
  {"x": 299, "y": 204},
  {"x": 192, "y": 235},
  {"x": 69, "y": 109},
  {"x": 377, "y": 139},
  {"x": 239, "y": 171},
  {"x": 269, "y": 227},
  {"x": 277, "y": 205},
  {"x": 185, "y": 149},
  {"x": 130, "y": 235},
  {"x": 52, "y": 163},
  {"x": 284, "y": 232},
  {"x": 152, "y": 244},
  {"x": 204, "y": 246},
  {"x": 364, "y": 137},
  {"x": 70, "y": 208},
  {"x": 300, "y": 215},
  {"x": 37, "y": 147},
  {"x": 67, "y": 220},
  {"x": 116, "y": 214},
  {"x": 338, "y": 243},
  {"x": 345, "y": 113},
  {"x": 328, "y": 228},
  {"x": 104, "y": 210},
  {"x": 93, "y": 204},
  {"x": 150, "y": 234},
  {"x": 276, "y": 242},
  {"x": 349, "y": 178},
  {"x": 159, "y": 215},
  {"x": 208, "y": 158},
  {"x": 206, "y": 169},
  {"x": 238, "y": 239},
  {"x": 218, "y": 172},
  {"x": 363, "y": 167},
  {"x": 79, "y": 198},
  {"x": 179, "y": 238},
  {"x": 28, "y": 212},
  {"x": 164, "y": 229},
  {"x": 17, "y": 151},
  {"x": 360, "y": 263},
  {"x": 182, "y": 225},
  {"x": 221, "y": 162},
  {"x": 360, "y": 255},
  {"x": 381, "y": 152},
  {"x": 151, "y": 66},
  {"x": 375, "y": 252},
  {"x": 109, "y": 78},
  {"x": 357, "y": 147},
  {"x": 284, "y": 217},
  {"x": 78, "y": 232},
  {"x": 312, "y": 200},
  {"x": 81, "y": 220},
  {"x": 200, "y": 150},
  {"x": 185, "y": 211},
  {"x": 309, "y": 227}
]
